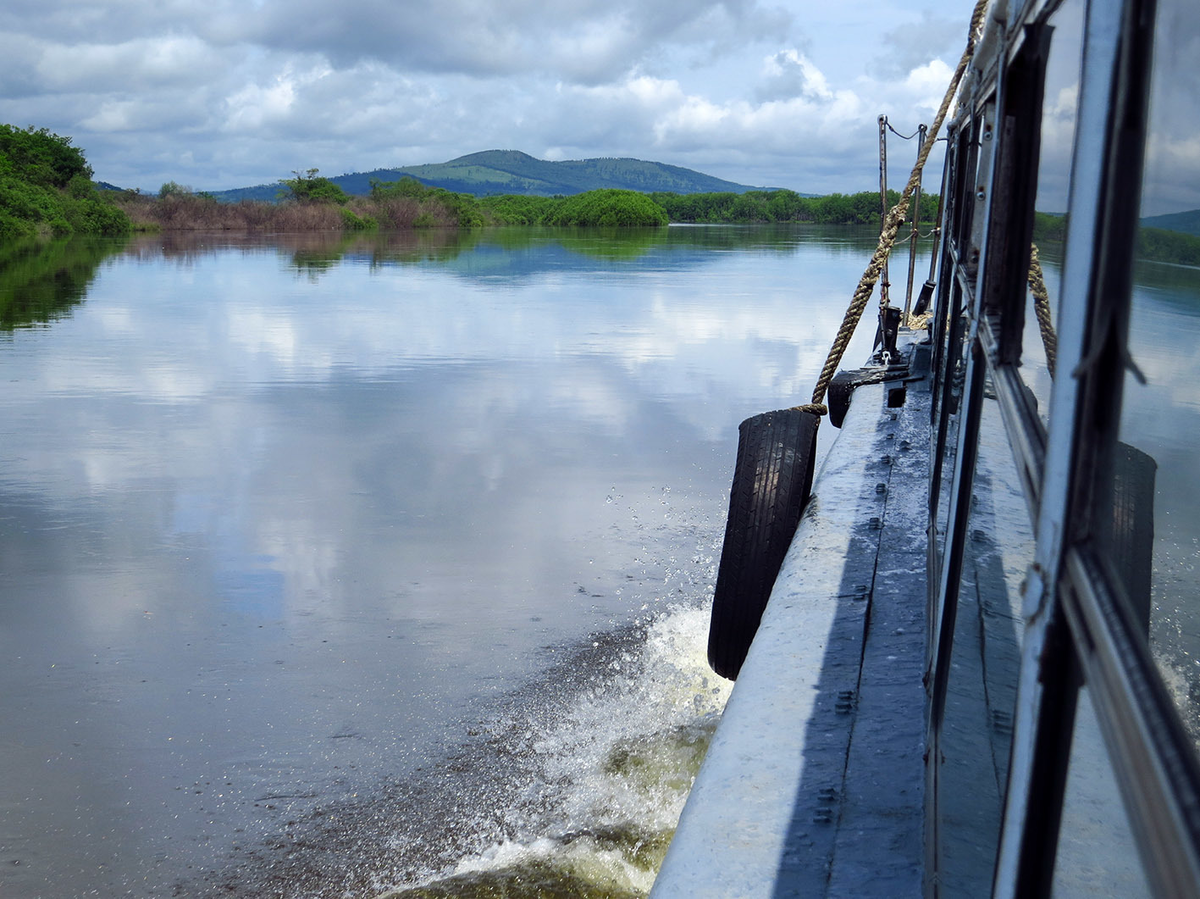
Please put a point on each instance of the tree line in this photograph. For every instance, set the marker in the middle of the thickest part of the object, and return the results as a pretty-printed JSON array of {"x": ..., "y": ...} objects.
[
  {"x": 1150, "y": 245},
  {"x": 784, "y": 206}
]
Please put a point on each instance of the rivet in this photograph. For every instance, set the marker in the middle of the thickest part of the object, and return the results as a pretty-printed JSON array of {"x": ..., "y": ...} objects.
[
  {"x": 876, "y": 524},
  {"x": 881, "y": 488}
]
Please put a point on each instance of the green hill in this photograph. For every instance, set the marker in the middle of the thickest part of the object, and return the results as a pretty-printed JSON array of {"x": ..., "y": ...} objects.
[
  {"x": 513, "y": 172},
  {"x": 1187, "y": 222}
]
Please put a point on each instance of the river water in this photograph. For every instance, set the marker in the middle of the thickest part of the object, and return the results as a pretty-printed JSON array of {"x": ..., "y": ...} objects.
[
  {"x": 340, "y": 566},
  {"x": 361, "y": 564}
]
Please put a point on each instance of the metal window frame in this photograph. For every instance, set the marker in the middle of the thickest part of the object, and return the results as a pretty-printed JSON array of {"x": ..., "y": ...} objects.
[{"x": 1078, "y": 626}]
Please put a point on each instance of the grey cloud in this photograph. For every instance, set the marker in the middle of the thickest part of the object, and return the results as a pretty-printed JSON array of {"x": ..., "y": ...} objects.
[
  {"x": 914, "y": 44},
  {"x": 587, "y": 41}
]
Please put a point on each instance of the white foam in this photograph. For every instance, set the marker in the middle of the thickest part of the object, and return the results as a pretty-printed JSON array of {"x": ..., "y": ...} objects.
[{"x": 611, "y": 775}]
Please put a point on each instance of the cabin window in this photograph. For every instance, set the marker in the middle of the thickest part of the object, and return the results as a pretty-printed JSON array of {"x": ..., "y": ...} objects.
[
  {"x": 977, "y": 723},
  {"x": 1160, "y": 423},
  {"x": 1096, "y": 850},
  {"x": 1060, "y": 97}
]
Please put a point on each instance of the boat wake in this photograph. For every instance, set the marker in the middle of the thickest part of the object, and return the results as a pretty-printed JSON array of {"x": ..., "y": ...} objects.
[
  {"x": 606, "y": 780},
  {"x": 570, "y": 786}
]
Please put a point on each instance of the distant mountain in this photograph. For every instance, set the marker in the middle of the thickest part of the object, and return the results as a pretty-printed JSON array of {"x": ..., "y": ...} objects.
[
  {"x": 1187, "y": 222},
  {"x": 514, "y": 172}
]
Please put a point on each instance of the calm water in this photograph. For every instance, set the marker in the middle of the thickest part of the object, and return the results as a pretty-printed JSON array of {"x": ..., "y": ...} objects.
[{"x": 353, "y": 564}]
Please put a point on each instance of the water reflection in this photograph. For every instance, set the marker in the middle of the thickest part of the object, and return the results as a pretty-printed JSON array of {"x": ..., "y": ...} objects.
[
  {"x": 275, "y": 532},
  {"x": 510, "y": 251},
  {"x": 40, "y": 281},
  {"x": 1162, "y": 416}
]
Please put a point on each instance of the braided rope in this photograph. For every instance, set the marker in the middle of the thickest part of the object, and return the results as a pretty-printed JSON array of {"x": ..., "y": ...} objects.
[
  {"x": 1041, "y": 306},
  {"x": 891, "y": 226}
]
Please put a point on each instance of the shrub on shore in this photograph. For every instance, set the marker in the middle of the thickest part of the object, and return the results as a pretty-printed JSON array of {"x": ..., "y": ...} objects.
[
  {"x": 609, "y": 208},
  {"x": 46, "y": 188},
  {"x": 310, "y": 203},
  {"x": 606, "y": 208}
]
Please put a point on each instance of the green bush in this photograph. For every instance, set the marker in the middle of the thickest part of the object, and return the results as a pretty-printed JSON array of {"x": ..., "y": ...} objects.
[
  {"x": 511, "y": 209},
  {"x": 608, "y": 208},
  {"x": 40, "y": 157},
  {"x": 464, "y": 209},
  {"x": 354, "y": 222},
  {"x": 311, "y": 188},
  {"x": 46, "y": 188}
]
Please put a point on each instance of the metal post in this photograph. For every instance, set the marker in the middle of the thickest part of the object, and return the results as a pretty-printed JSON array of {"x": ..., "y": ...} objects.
[
  {"x": 883, "y": 203},
  {"x": 916, "y": 220}
]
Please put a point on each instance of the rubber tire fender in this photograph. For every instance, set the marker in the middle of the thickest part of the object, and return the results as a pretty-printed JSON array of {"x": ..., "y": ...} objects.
[
  {"x": 838, "y": 395},
  {"x": 772, "y": 479}
]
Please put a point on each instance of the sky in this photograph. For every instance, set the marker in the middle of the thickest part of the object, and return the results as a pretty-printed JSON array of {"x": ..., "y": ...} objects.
[{"x": 229, "y": 93}]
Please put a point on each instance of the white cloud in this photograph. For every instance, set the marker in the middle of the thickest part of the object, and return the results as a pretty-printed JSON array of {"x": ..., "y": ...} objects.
[
  {"x": 225, "y": 93},
  {"x": 792, "y": 74},
  {"x": 140, "y": 64}
]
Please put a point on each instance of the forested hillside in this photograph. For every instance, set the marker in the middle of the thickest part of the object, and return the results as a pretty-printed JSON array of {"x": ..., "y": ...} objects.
[{"x": 511, "y": 172}]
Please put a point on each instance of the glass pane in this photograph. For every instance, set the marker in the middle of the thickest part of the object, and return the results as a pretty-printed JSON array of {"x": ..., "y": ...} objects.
[
  {"x": 953, "y": 376},
  {"x": 1158, "y": 469},
  {"x": 1040, "y": 340},
  {"x": 1096, "y": 853},
  {"x": 1054, "y": 183},
  {"x": 977, "y": 727}
]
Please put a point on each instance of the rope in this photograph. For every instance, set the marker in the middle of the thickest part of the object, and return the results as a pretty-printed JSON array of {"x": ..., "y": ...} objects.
[
  {"x": 898, "y": 134},
  {"x": 1041, "y": 306},
  {"x": 891, "y": 227}
]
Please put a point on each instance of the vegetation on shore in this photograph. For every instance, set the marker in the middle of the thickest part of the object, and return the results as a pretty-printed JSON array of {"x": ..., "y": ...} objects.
[
  {"x": 1151, "y": 245},
  {"x": 46, "y": 191},
  {"x": 756, "y": 206},
  {"x": 46, "y": 188},
  {"x": 309, "y": 202}
]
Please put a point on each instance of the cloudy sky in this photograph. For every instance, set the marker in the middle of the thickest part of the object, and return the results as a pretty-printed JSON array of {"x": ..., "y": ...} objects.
[{"x": 226, "y": 93}]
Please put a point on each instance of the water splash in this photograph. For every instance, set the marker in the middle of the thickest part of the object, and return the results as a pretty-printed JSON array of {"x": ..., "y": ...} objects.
[{"x": 607, "y": 778}]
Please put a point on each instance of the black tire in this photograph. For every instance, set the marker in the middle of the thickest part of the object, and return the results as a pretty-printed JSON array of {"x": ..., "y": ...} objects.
[
  {"x": 838, "y": 395},
  {"x": 772, "y": 479},
  {"x": 1131, "y": 541}
]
